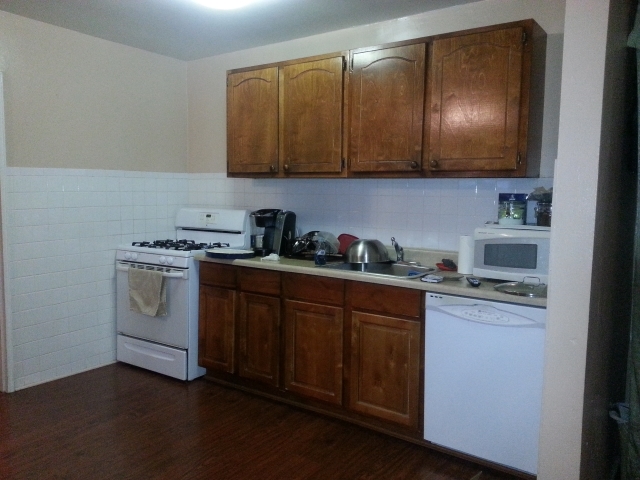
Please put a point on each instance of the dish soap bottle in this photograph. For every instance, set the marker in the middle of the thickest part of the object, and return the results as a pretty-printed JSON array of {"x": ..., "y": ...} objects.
[{"x": 320, "y": 257}]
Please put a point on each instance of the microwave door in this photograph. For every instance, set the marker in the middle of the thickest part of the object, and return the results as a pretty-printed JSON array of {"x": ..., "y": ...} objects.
[{"x": 511, "y": 259}]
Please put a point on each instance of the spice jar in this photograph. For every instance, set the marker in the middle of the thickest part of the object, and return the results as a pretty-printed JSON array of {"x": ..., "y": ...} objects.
[{"x": 543, "y": 214}]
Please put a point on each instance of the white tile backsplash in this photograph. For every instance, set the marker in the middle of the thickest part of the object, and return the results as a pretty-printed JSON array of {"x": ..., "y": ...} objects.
[
  {"x": 63, "y": 226},
  {"x": 421, "y": 213}
]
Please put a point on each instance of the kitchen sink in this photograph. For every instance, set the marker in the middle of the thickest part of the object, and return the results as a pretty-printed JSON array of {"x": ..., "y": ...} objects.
[{"x": 387, "y": 269}]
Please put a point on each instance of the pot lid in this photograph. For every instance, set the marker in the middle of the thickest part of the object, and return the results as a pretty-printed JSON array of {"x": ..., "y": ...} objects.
[{"x": 522, "y": 289}]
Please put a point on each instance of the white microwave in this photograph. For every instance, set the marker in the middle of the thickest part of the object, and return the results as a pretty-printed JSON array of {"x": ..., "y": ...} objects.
[{"x": 511, "y": 253}]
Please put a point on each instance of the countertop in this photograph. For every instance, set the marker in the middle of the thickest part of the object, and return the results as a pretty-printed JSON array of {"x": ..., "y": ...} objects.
[{"x": 452, "y": 287}]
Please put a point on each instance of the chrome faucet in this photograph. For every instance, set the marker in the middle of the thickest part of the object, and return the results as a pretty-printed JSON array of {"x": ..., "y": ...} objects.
[{"x": 399, "y": 250}]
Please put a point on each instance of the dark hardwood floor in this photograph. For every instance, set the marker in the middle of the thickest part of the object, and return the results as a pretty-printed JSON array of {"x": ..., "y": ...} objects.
[{"x": 122, "y": 422}]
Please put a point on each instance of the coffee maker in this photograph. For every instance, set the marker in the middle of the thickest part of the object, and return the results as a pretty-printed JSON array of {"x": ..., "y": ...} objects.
[{"x": 272, "y": 231}]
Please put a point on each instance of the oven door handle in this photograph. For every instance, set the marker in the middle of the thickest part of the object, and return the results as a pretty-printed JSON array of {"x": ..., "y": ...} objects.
[{"x": 167, "y": 272}]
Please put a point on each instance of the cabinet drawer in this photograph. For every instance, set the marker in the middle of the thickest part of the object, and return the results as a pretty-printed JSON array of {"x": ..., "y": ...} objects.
[
  {"x": 259, "y": 281},
  {"x": 385, "y": 299},
  {"x": 218, "y": 275},
  {"x": 313, "y": 289}
]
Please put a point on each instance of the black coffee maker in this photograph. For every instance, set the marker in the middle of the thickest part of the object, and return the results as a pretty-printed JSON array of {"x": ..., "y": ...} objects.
[{"x": 272, "y": 231}]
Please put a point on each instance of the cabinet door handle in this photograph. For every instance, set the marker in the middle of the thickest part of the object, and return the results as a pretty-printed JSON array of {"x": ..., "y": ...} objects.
[
  {"x": 286, "y": 167},
  {"x": 433, "y": 163},
  {"x": 272, "y": 168},
  {"x": 414, "y": 165}
]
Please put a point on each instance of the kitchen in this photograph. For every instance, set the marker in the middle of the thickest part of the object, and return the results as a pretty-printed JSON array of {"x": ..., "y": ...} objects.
[{"x": 176, "y": 140}]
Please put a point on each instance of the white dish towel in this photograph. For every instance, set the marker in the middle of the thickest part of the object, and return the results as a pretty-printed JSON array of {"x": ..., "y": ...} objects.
[{"x": 147, "y": 292}]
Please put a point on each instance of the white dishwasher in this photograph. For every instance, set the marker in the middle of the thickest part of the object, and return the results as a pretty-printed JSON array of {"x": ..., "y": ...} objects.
[{"x": 483, "y": 378}]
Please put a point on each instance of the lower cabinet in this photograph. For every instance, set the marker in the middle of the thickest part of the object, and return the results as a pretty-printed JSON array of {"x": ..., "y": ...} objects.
[
  {"x": 314, "y": 320},
  {"x": 385, "y": 367},
  {"x": 346, "y": 348},
  {"x": 313, "y": 352},
  {"x": 216, "y": 328},
  {"x": 385, "y": 325},
  {"x": 258, "y": 324},
  {"x": 259, "y": 338},
  {"x": 217, "y": 318}
]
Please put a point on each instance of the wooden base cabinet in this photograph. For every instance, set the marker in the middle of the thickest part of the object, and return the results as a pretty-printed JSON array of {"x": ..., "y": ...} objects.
[
  {"x": 313, "y": 355},
  {"x": 350, "y": 349},
  {"x": 239, "y": 322},
  {"x": 385, "y": 364},
  {"x": 259, "y": 325},
  {"x": 217, "y": 319},
  {"x": 314, "y": 320},
  {"x": 385, "y": 367},
  {"x": 259, "y": 338},
  {"x": 216, "y": 336}
]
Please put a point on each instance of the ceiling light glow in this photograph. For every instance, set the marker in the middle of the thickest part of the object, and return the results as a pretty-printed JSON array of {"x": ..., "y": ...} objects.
[{"x": 225, "y": 4}]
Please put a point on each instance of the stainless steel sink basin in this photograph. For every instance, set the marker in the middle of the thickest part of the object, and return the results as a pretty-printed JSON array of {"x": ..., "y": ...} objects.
[{"x": 387, "y": 269}]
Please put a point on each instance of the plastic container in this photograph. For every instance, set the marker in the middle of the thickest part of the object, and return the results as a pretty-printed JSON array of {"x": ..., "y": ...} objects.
[{"x": 511, "y": 209}]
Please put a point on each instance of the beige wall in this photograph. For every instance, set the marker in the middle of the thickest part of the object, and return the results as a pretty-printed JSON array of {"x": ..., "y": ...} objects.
[
  {"x": 74, "y": 101},
  {"x": 207, "y": 100},
  {"x": 582, "y": 308}
]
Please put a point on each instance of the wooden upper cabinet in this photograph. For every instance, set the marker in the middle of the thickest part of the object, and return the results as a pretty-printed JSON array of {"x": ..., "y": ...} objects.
[
  {"x": 252, "y": 121},
  {"x": 386, "y": 104},
  {"x": 478, "y": 109},
  {"x": 461, "y": 104},
  {"x": 311, "y": 105}
]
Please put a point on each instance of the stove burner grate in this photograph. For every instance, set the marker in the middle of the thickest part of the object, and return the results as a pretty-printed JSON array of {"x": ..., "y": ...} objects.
[{"x": 183, "y": 245}]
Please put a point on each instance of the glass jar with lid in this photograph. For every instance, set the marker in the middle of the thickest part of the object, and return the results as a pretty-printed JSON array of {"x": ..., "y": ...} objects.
[{"x": 543, "y": 214}]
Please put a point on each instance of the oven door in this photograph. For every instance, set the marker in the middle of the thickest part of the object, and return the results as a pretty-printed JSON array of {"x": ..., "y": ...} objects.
[{"x": 172, "y": 329}]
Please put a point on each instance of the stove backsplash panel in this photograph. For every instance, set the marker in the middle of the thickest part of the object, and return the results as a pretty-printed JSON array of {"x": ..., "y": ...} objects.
[{"x": 62, "y": 227}]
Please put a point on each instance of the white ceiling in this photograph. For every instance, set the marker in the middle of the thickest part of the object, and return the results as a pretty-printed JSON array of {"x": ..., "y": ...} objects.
[{"x": 186, "y": 31}]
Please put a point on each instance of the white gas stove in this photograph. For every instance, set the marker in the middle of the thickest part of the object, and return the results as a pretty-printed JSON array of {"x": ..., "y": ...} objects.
[{"x": 168, "y": 343}]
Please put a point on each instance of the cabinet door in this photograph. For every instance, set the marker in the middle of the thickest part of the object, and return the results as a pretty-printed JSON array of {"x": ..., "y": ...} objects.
[
  {"x": 385, "y": 368},
  {"x": 311, "y": 103},
  {"x": 259, "y": 337},
  {"x": 475, "y": 102},
  {"x": 252, "y": 121},
  {"x": 216, "y": 330},
  {"x": 386, "y": 109},
  {"x": 313, "y": 350}
]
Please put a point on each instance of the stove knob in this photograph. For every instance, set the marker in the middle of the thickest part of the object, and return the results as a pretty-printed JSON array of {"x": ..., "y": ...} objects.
[
  {"x": 134, "y": 256},
  {"x": 127, "y": 255},
  {"x": 162, "y": 260},
  {"x": 170, "y": 260}
]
